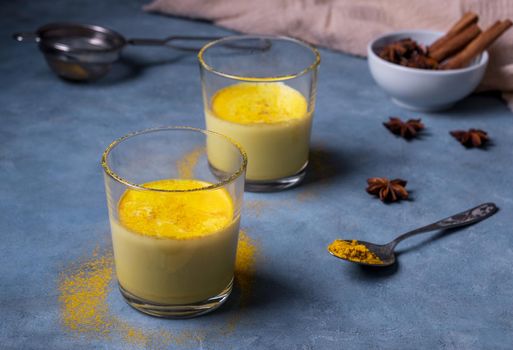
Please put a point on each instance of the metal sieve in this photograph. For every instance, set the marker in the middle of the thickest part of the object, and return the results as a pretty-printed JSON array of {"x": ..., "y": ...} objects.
[{"x": 83, "y": 52}]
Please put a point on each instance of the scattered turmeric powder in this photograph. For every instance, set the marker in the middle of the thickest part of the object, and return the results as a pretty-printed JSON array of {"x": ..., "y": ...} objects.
[
  {"x": 188, "y": 162},
  {"x": 83, "y": 294},
  {"x": 244, "y": 277},
  {"x": 84, "y": 288},
  {"x": 254, "y": 207},
  {"x": 353, "y": 251},
  {"x": 245, "y": 265}
]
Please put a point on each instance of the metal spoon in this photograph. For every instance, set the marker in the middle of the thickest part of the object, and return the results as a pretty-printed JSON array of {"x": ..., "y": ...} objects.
[{"x": 386, "y": 251}]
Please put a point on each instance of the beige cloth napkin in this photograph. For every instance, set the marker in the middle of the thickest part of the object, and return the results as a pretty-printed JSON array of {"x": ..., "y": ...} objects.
[{"x": 348, "y": 25}]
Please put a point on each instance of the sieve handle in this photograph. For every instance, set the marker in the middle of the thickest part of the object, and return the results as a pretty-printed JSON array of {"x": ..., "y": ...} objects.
[
  {"x": 181, "y": 42},
  {"x": 146, "y": 42},
  {"x": 195, "y": 43},
  {"x": 25, "y": 36},
  {"x": 176, "y": 42}
]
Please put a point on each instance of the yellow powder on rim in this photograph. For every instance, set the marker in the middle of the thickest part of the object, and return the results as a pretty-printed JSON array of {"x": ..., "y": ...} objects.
[
  {"x": 353, "y": 251},
  {"x": 259, "y": 103}
]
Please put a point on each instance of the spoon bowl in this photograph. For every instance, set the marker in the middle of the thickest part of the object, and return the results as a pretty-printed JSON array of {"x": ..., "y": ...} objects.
[{"x": 383, "y": 251}]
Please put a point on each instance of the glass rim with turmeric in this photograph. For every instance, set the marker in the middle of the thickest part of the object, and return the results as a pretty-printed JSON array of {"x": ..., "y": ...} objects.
[
  {"x": 228, "y": 41},
  {"x": 111, "y": 173}
]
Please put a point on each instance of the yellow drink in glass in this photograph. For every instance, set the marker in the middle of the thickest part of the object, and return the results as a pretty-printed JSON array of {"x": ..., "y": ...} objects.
[
  {"x": 175, "y": 248},
  {"x": 260, "y": 91},
  {"x": 174, "y": 232},
  {"x": 263, "y": 118}
]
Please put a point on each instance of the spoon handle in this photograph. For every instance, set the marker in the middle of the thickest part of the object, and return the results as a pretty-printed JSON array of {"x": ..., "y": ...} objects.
[{"x": 467, "y": 217}]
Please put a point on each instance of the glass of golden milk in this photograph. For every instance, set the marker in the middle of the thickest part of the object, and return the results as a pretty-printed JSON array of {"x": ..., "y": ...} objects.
[
  {"x": 260, "y": 91},
  {"x": 174, "y": 212}
]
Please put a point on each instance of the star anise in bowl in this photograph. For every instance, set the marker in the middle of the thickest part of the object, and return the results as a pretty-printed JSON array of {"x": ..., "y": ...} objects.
[
  {"x": 387, "y": 190},
  {"x": 408, "y": 129},
  {"x": 471, "y": 138},
  {"x": 409, "y": 53}
]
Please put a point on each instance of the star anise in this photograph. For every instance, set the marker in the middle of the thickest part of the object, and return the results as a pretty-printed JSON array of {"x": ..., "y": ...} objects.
[
  {"x": 421, "y": 61},
  {"x": 471, "y": 138},
  {"x": 398, "y": 50},
  {"x": 407, "y": 52},
  {"x": 387, "y": 190},
  {"x": 407, "y": 130}
]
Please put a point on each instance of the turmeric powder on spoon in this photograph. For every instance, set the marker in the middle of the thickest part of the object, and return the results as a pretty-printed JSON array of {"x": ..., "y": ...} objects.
[{"x": 353, "y": 251}]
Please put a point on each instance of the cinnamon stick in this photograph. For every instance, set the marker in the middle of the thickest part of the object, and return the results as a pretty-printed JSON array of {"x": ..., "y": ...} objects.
[
  {"x": 466, "y": 20},
  {"x": 455, "y": 43},
  {"x": 478, "y": 45}
]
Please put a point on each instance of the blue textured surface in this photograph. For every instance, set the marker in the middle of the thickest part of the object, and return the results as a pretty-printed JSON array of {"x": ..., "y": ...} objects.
[{"x": 451, "y": 291}]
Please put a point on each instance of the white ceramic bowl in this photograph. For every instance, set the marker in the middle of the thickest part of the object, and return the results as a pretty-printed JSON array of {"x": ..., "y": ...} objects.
[{"x": 421, "y": 89}]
